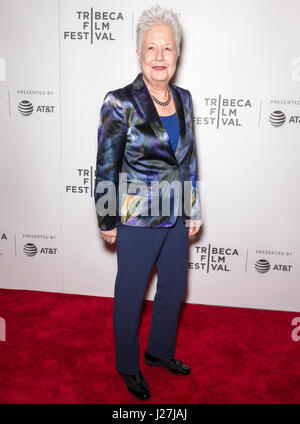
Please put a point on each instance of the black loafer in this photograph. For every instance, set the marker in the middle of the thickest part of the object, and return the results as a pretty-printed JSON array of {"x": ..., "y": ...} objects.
[
  {"x": 175, "y": 366},
  {"x": 137, "y": 385}
]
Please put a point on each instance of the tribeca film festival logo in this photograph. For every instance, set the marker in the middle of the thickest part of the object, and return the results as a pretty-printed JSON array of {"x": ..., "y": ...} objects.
[
  {"x": 31, "y": 249},
  {"x": 223, "y": 111},
  {"x": 85, "y": 180},
  {"x": 263, "y": 266},
  {"x": 213, "y": 258},
  {"x": 94, "y": 26}
]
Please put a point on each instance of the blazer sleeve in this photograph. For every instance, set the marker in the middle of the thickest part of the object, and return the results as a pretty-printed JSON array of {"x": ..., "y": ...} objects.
[
  {"x": 195, "y": 194},
  {"x": 112, "y": 136}
]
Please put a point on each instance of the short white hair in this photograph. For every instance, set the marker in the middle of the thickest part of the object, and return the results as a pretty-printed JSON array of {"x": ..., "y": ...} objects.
[{"x": 158, "y": 15}]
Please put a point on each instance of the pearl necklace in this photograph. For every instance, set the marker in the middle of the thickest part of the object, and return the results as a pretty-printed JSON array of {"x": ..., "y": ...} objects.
[{"x": 163, "y": 103}]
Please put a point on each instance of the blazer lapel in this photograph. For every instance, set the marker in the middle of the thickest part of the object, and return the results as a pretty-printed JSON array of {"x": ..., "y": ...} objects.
[{"x": 152, "y": 117}]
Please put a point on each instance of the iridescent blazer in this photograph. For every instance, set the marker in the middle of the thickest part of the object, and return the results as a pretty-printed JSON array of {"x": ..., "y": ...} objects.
[{"x": 133, "y": 140}]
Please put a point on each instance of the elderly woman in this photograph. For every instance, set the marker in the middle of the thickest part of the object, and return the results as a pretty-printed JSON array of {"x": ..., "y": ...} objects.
[{"x": 146, "y": 133}]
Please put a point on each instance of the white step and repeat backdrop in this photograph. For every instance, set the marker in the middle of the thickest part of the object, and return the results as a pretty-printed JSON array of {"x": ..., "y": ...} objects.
[{"x": 240, "y": 60}]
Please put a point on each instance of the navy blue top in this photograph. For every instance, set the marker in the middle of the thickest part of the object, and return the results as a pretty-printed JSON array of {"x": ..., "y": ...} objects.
[{"x": 170, "y": 123}]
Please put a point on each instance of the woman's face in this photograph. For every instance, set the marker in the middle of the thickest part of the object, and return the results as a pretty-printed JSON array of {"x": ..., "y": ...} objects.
[{"x": 158, "y": 55}]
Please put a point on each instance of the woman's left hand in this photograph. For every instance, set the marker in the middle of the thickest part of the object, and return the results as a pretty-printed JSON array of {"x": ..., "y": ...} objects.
[{"x": 194, "y": 226}]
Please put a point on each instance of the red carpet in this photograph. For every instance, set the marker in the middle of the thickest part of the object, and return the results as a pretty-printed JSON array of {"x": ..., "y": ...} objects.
[{"x": 59, "y": 348}]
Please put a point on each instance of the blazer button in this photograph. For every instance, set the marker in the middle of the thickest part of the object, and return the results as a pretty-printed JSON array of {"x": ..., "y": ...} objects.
[{"x": 175, "y": 167}]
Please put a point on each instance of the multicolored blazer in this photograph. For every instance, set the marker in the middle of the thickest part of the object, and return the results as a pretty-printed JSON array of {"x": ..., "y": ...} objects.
[{"x": 132, "y": 140}]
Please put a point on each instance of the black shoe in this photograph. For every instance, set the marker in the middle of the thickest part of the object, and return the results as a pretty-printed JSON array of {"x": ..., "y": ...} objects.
[
  {"x": 137, "y": 385},
  {"x": 171, "y": 364}
]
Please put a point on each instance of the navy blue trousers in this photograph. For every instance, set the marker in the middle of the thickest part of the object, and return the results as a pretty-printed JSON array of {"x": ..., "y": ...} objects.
[{"x": 138, "y": 249}]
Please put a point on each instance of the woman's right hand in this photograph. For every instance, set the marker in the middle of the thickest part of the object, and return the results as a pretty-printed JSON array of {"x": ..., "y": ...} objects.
[{"x": 109, "y": 236}]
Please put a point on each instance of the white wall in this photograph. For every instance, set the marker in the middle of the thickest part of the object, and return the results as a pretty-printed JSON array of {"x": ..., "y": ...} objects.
[{"x": 244, "y": 52}]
